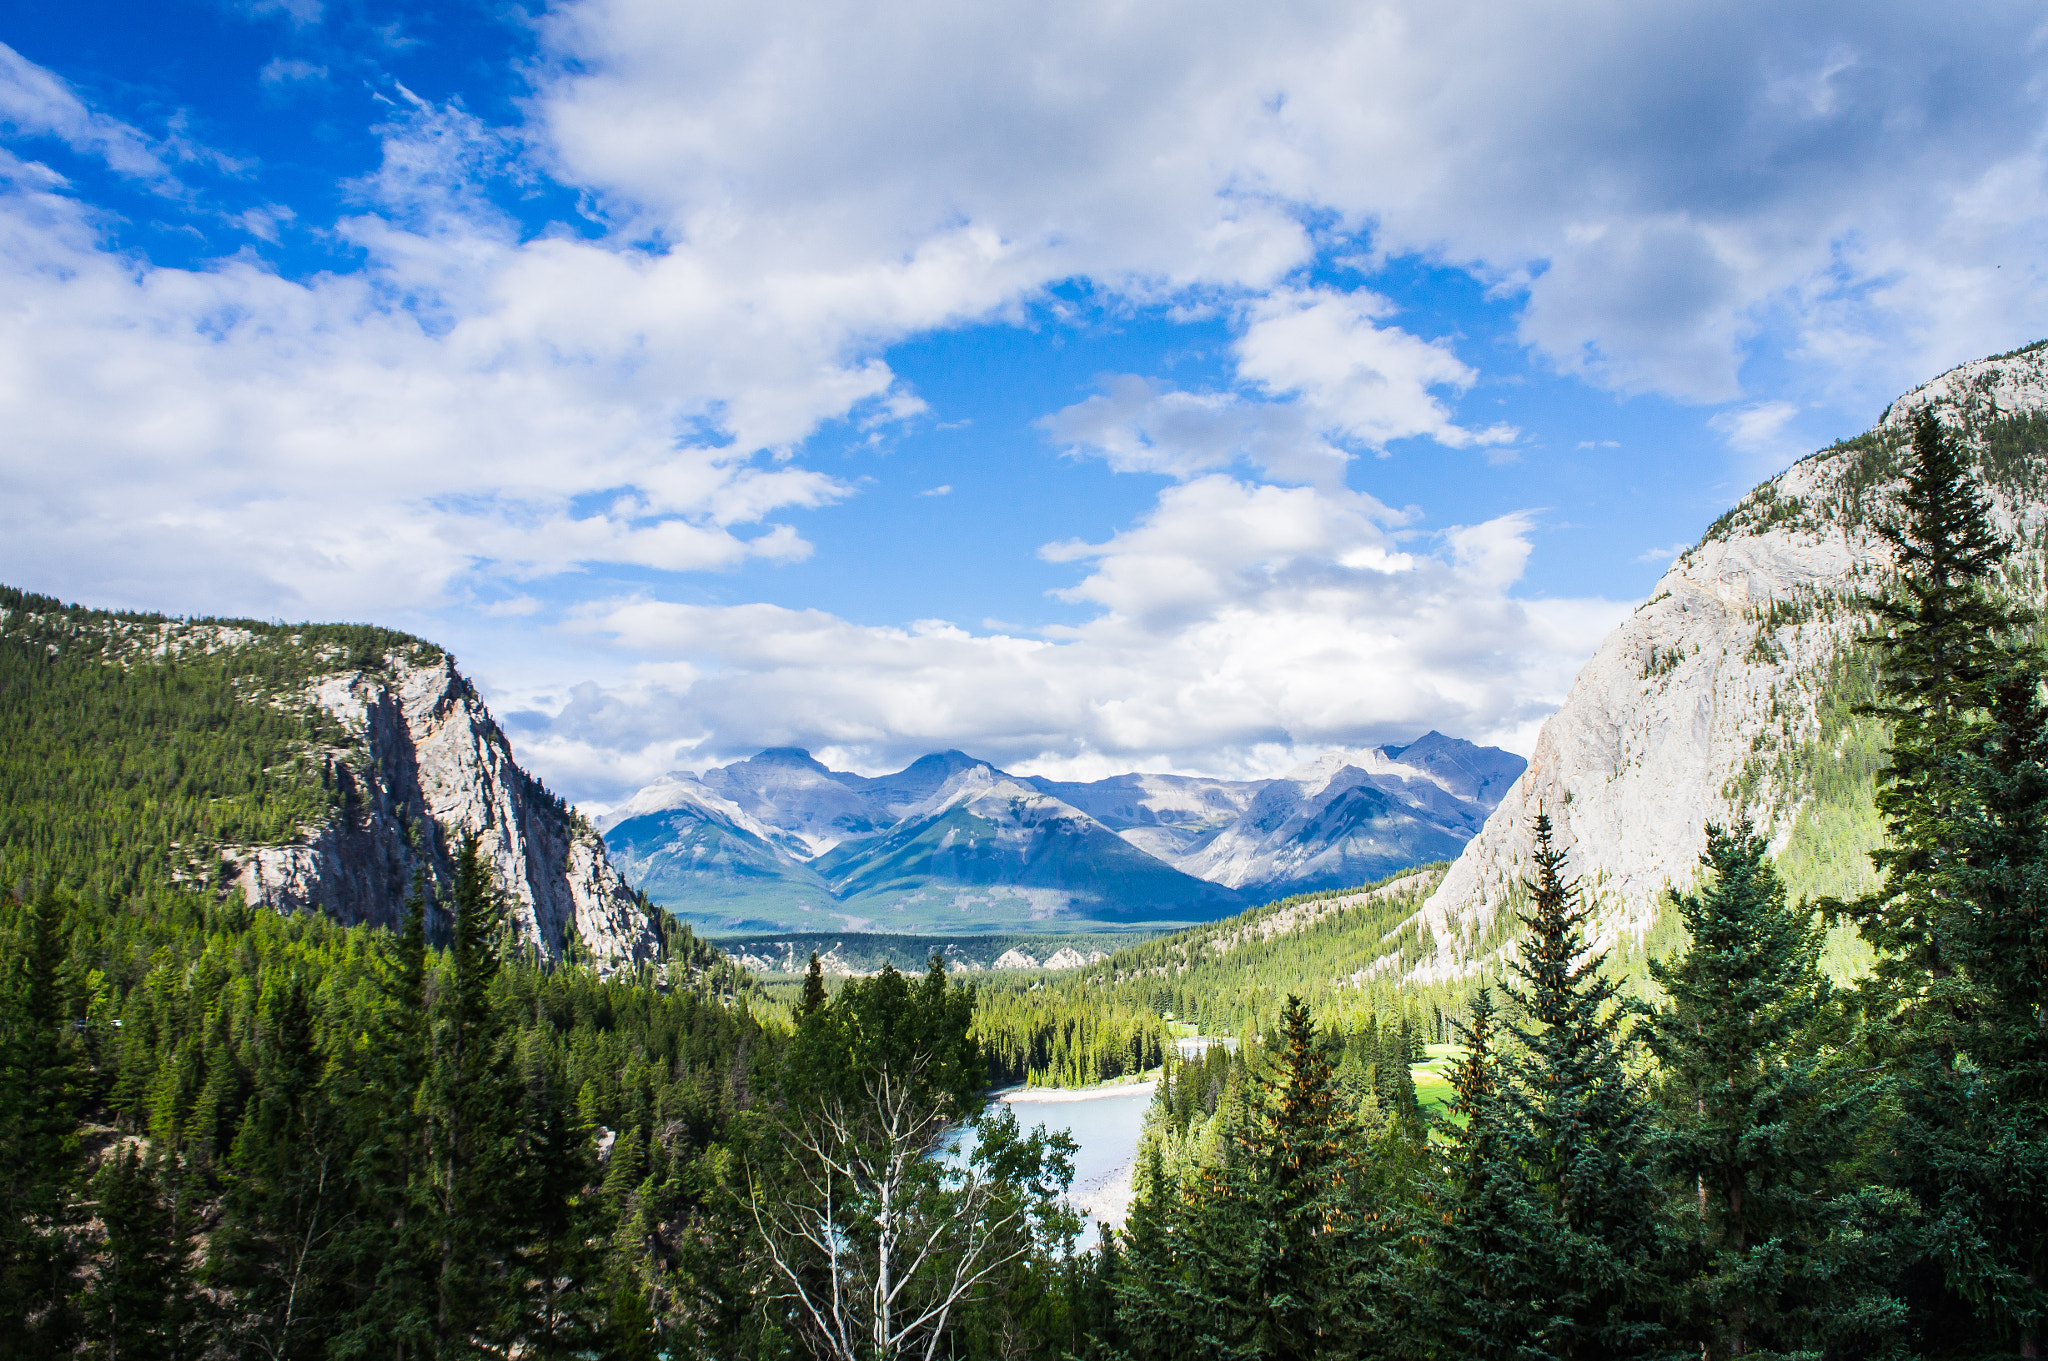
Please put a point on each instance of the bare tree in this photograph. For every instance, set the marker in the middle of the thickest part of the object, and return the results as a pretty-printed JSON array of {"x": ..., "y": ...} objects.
[{"x": 878, "y": 1240}]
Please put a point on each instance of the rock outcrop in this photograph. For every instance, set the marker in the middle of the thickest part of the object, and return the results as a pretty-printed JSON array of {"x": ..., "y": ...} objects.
[
  {"x": 425, "y": 765},
  {"x": 1727, "y": 691}
]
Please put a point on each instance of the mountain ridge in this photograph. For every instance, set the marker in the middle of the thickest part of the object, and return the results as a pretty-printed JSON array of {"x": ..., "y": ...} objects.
[
  {"x": 1731, "y": 691},
  {"x": 380, "y": 756},
  {"x": 952, "y": 843}
]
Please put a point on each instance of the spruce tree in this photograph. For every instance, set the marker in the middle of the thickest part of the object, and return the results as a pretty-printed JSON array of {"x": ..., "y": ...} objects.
[
  {"x": 40, "y": 1165},
  {"x": 1479, "y": 1276},
  {"x": 562, "y": 1290},
  {"x": 1266, "y": 1255},
  {"x": 285, "y": 1198},
  {"x": 472, "y": 1106},
  {"x": 1957, "y": 1005},
  {"x": 1943, "y": 657},
  {"x": 814, "y": 997},
  {"x": 141, "y": 1305},
  {"x": 1578, "y": 1127},
  {"x": 1759, "y": 1129},
  {"x": 389, "y": 1244},
  {"x": 1993, "y": 1202}
]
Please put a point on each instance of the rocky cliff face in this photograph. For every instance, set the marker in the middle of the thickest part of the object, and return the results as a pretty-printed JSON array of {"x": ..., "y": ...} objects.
[
  {"x": 1727, "y": 694},
  {"x": 427, "y": 764}
]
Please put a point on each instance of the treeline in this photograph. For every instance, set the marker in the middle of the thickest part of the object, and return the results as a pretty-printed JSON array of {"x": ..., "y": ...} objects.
[
  {"x": 1118, "y": 1017},
  {"x": 1760, "y": 1165},
  {"x": 1048, "y": 1038}
]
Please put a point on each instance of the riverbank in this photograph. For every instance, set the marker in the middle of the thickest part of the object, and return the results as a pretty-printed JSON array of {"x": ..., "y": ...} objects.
[{"x": 1105, "y": 1120}]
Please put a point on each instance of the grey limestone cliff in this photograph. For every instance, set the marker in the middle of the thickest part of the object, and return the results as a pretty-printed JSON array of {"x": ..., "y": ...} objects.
[
  {"x": 1729, "y": 693},
  {"x": 425, "y": 765}
]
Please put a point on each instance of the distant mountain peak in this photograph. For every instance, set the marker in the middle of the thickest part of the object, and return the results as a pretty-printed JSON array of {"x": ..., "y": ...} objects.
[
  {"x": 787, "y": 756},
  {"x": 952, "y": 834}
]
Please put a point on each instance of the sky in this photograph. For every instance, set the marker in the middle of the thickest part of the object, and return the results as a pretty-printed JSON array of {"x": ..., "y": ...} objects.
[{"x": 1091, "y": 387}]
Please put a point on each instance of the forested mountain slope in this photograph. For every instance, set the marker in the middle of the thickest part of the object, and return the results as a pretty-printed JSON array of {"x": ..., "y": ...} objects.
[
  {"x": 302, "y": 766},
  {"x": 1730, "y": 692}
]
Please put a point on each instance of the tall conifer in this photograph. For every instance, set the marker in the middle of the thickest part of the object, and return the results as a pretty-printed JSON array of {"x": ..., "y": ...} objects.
[
  {"x": 1578, "y": 1125},
  {"x": 1958, "y": 1003},
  {"x": 1480, "y": 1275},
  {"x": 40, "y": 1165},
  {"x": 1759, "y": 1128}
]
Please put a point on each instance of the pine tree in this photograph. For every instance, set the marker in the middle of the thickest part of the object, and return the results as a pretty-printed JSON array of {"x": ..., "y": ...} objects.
[
  {"x": 389, "y": 1243},
  {"x": 1479, "y": 1278},
  {"x": 40, "y": 1166},
  {"x": 1759, "y": 1129},
  {"x": 472, "y": 1106},
  {"x": 1578, "y": 1126},
  {"x": 1993, "y": 1207},
  {"x": 1957, "y": 1004},
  {"x": 1266, "y": 1255},
  {"x": 141, "y": 1305},
  {"x": 285, "y": 1199},
  {"x": 563, "y": 1292},
  {"x": 815, "y": 997}
]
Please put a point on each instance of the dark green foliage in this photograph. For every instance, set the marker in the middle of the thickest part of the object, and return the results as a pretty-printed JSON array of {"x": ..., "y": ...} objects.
[
  {"x": 41, "y": 1085},
  {"x": 1577, "y": 1123},
  {"x": 814, "y": 995},
  {"x": 1480, "y": 1277},
  {"x": 1957, "y": 1005},
  {"x": 141, "y": 1305},
  {"x": 1271, "y": 1251},
  {"x": 1941, "y": 662},
  {"x": 1762, "y": 1125}
]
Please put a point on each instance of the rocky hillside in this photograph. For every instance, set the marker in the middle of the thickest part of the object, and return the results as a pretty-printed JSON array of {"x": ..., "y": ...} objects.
[
  {"x": 1728, "y": 693},
  {"x": 347, "y": 758}
]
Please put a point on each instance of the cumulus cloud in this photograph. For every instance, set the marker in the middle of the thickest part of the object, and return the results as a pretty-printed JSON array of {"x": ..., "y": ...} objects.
[
  {"x": 786, "y": 190},
  {"x": 1241, "y": 627},
  {"x": 1320, "y": 375},
  {"x": 1663, "y": 181},
  {"x": 778, "y": 192}
]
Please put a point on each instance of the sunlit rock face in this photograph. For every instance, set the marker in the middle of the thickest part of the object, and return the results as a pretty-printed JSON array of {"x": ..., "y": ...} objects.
[
  {"x": 1726, "y": 694},
  {"x": 427, "y": 764}
]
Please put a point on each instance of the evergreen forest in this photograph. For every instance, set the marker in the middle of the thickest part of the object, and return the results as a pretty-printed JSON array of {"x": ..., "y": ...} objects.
[{"x": 230, "y": 1133}]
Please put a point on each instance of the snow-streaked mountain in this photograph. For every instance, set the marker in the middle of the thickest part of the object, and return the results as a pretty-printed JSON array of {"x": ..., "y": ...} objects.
[
  {"x": 1168, "y": 816},
  {"x": 983, "y": 829},
  {"x": 951, "y": 843},
  {"x": 678, "y": 838},
  {"x": 1349, "y": 817},
  {"x": 1730, "y": 691}
]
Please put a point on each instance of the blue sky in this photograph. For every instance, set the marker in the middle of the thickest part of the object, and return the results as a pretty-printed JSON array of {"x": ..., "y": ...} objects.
[{"x": 1177, "y": 386}]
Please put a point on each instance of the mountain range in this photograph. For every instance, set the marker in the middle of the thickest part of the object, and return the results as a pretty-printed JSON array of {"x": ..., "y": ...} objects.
[{"x": 952, "y": 843}]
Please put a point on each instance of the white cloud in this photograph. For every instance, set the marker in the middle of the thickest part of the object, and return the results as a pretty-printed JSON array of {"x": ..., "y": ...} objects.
[
  {"x": 35, "y": 103},
  {"x": 789, "y": 189},
  {"x": 282, "y": 71},
  {"x": 782, "y": 191},
  {"x": 1138, "y": 426},
  {"x": 1328, "y": 375},
  {"x": 1241, "y": 627},
  {"x": 1758, "y": 432},
  {"x": 943, "y": 489},
  {"x": 1368, "y": 382},
  {"x": 1665, "y": 181}
]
